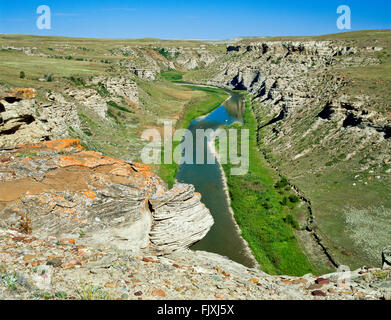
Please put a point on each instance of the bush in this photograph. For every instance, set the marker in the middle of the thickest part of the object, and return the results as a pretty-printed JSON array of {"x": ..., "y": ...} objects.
[
  {"x": 294, "y": 198},
  {"x": 77, "y": 81},
  {"x": 282, "y": 183},
  {"x": 291, "y": 219},
  {"x": 285, "y": 201},
  {"x": 164, "y": 53},
  {"x": 22, "y": 75},
  {"x": 102, "y": 90}
]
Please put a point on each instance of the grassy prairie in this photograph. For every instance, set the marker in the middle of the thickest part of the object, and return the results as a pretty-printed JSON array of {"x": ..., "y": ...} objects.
[{"x": 265, "y": 208}]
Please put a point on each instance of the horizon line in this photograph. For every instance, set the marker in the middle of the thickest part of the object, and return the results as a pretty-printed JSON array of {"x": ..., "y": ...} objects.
[{"x": 199, "y": 40}]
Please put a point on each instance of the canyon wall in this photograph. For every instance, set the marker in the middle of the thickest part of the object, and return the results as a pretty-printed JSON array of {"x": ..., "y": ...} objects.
[{"x": 323, "y": 130}]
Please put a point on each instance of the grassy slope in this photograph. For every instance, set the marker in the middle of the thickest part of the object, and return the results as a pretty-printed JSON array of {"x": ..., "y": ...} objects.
[
  {"x": 328, "y": 179},
  {"x": 265, "y": 213},
  {"x": 82, "y": 59}
]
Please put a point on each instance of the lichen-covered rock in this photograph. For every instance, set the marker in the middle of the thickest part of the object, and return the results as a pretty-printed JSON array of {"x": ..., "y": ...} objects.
[
  {"x": 58, "y": 189},
  {"x": 23, "y": 119},
  {"x": 20, "y": 93}
]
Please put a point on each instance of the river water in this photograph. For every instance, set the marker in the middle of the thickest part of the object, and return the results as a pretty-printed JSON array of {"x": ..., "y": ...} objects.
[{"x": 223, "y": 238}]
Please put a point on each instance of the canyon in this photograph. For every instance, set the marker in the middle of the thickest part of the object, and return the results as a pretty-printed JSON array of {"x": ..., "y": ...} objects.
[{"x": 323, "y": 118}]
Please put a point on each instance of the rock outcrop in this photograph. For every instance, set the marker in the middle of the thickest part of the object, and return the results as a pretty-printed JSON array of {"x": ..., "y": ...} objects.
[
  {"x": 180, "y": 219},
  {"x": 24, "y": 119},
  {"x": 33, "y": 268},
  {"x": 119, "y": 86},
  {"x": 314, "y": 121},
  {"x": 72, "y": 218},
  {"x": 57, "y": 189}
]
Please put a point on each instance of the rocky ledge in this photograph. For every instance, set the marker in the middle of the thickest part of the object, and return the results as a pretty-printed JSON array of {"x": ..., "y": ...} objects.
[{"x": 58, "y": 190}]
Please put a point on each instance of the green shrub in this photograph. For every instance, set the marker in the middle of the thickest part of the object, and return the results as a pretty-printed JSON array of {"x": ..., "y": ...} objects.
[
  {"x": 22, "y": 75},
  {"x": 291, "y": 219},
  {"x": 77, "y": 81},
  {"x": 48, "y": 77},
  {"x": 164, "y": 53},
  {"x": 282, "y": 183},
  {"x": 102, "y": 90},
  {"x": 294, "y": 198}
]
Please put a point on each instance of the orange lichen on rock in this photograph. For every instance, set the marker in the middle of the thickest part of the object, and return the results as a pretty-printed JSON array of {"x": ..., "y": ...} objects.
[
  {"x": 67, "y": 161},
  {"x": 90, "y": 194},
  {"x": 89, "y": 159},
  {"x": 141, "y": 167},
  {"x": 55, "y": 145},
  {"x": 68, "y": 240},
  {"x": 63, "y": 144},
  {"x": 21, "y": 93}
]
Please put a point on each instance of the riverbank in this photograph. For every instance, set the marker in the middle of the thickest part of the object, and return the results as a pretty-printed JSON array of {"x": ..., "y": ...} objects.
[
  {"x": 246, "y": 245},
  {"x": 264, "y": 208},
  {"x": 192, "y": 111}
]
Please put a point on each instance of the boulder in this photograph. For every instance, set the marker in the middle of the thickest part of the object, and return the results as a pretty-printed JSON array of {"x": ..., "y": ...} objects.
[
  {"x": 58, "y": 190},
  {"x": 180, "y": 218}
]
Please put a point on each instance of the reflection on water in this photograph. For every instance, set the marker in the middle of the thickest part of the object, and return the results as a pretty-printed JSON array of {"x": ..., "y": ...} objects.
[
  {"x": 223, "y": 238},
  {"x": 235, "y": 106}
]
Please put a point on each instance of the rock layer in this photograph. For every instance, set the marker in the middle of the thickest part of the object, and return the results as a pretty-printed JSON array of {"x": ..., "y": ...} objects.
[
  {"x": 57, "y": 189},
  {"x": 180, "y": 218},
  {"x": 24, "y": 119}
]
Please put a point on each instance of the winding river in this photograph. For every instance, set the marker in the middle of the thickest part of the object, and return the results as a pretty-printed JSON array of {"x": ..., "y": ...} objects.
[{"x": 224, "y": 237}]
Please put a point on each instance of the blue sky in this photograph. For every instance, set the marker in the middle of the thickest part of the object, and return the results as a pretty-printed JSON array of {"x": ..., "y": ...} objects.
[{"x": 191, "y": 19}]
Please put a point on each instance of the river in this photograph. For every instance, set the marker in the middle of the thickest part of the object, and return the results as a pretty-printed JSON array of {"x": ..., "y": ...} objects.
[{"x": 224, "y": 237}]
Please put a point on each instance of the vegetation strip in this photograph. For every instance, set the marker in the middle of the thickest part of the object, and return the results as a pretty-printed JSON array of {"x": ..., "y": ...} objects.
[{"x": 265, "y": 211}]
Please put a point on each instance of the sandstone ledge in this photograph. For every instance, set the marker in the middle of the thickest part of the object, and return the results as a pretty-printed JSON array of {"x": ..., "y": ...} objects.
[{"x": 57, "y": 189}]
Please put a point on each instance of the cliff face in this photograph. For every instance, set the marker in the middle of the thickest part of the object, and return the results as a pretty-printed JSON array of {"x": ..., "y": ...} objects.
[
  {"x": 323, "y": 129},
  {"x": 58, "y": 190},
  {"x": 24, "y": 119}
]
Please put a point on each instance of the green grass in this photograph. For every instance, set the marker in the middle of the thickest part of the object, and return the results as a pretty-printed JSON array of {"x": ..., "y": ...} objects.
[
  {"x": 264, "y": 208},
  {"x": 197, "y": 107},
  {"x": 116, "y": 106},
  {"x": 172, "y": 75}
]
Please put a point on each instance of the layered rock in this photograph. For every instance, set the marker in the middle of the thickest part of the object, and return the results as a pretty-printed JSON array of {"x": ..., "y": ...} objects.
[
  {"x": 180, "y": 219},
  {"x": 57, "y": 189},
  {"x": 119, "y": 86},
  {"x": 90, "y": 99},
  {"x": 314, "y": 122},
  {"x": 24, "y": 119}
]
